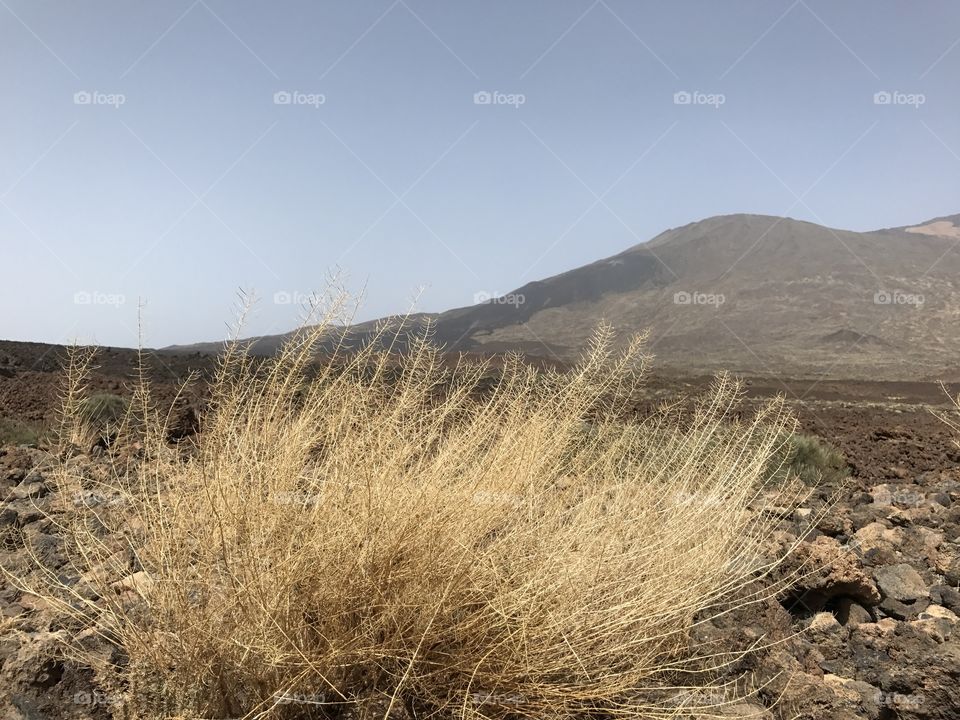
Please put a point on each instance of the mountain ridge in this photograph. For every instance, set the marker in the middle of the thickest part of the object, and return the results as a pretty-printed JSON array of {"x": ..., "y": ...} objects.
[{"x": 752, "y": 293}]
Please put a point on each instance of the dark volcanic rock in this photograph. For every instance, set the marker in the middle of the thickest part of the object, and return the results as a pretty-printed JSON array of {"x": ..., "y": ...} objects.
[{"x": 828, "y": 574}]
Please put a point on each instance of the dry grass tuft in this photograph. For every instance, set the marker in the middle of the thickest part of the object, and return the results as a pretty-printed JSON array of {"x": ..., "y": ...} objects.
[{"x": 374, "y": 531}]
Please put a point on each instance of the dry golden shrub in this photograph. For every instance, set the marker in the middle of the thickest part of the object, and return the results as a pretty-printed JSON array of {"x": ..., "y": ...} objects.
[{"x": 370, "y": 530}]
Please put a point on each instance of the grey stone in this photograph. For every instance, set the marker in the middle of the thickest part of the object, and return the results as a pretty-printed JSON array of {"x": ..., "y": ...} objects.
[
  {"x": 947, "y": 596},
  {"x": 901, "y": 610},
  {"x": 900, "y": 582}
]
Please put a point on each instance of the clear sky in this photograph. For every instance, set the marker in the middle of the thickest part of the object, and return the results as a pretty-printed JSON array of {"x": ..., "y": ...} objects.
[{"x": 176, "y": 151}]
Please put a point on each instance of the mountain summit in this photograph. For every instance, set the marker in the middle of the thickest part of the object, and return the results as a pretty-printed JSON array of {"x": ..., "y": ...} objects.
[{"x": 751, "y": 293}]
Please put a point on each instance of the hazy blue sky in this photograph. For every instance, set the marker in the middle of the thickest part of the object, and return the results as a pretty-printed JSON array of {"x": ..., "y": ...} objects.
[{"x": 148, "y": 150}]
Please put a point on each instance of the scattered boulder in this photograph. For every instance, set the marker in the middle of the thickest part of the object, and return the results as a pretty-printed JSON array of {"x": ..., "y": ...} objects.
[
  {"x": 901, "y": 610},
  {"x": 950, "y": 567},
  {"x": 947, "y": 596},
  {"x": 139, "y": 583},
  {"x": 901, "y": 582},
  {"x": 824, "y": 622},
  {"x": 827, "y": 572},
  {"x": 849, "y": 612}
]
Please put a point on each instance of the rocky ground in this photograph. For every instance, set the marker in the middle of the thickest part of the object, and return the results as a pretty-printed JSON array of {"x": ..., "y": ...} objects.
[{"x": 872, "y": 632}]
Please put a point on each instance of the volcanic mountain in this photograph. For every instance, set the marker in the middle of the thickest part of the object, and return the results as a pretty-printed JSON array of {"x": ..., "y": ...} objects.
[{"x": 754, "y": 294}]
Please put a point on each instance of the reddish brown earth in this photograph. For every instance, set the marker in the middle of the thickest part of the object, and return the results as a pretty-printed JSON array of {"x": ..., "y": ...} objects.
[{"x": 872, "y": 633}]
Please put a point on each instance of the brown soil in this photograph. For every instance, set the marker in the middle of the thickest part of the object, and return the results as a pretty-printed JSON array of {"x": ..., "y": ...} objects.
[{"x": 873, "y": 634}]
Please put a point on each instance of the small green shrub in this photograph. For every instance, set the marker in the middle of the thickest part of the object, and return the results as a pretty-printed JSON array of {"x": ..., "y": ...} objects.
[
  {"x": 810, "y": 459},
  {"x": 102, "y": 409},
  {"x": 16, "y": 432}
]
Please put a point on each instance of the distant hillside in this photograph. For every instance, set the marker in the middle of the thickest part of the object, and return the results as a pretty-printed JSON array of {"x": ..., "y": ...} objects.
[{"x": 754, "y": 294}]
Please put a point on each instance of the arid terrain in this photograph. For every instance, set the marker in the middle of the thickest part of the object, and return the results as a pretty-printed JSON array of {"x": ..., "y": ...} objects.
[
  {"x": 873, "y": 633},
  {"x": 418, "y": 360}
]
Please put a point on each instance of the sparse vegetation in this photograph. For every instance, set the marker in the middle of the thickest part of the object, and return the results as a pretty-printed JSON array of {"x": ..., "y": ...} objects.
[
  {"x": 345, "y": 543},
  {"x": 17, "y": 432},
  {"x": 809, "y": 459},
  {"x": 103, "y": 409},
  {"x": 950, "y": 419}
]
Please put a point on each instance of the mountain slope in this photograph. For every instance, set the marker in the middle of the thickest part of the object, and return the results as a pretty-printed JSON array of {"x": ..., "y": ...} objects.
[{"x": 751, "y": 293}]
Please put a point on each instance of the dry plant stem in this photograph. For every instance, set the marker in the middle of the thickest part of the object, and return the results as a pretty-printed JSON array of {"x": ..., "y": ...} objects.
[{"x": 362, "y": 528}]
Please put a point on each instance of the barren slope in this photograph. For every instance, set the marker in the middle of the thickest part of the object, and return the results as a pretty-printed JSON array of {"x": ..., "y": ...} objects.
[{"x": 750, "y": 293}]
